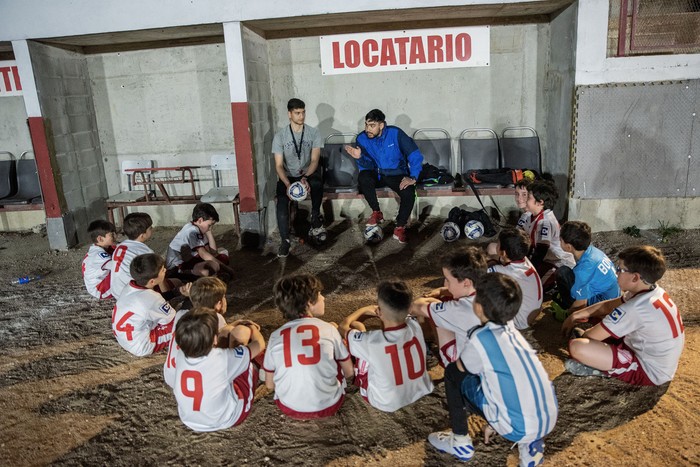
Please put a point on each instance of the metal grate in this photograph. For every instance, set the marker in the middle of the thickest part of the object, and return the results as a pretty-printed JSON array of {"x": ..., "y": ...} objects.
[{"x": 653, "y": 27}]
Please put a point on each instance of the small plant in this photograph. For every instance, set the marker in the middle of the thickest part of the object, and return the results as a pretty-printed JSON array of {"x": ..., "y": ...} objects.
[
  {"x": 667, "y": 231},
  {"x": 632, "y": 231}
]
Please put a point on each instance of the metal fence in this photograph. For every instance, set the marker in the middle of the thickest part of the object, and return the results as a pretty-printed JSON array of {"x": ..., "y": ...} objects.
[{"x": 652, "y": 27}]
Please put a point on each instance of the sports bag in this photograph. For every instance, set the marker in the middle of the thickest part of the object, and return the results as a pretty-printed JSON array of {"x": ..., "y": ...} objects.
[
  {"x": 461, "y": 216},
  {"x": 501, "y": 176},
  {"x": 431, "y": 175}
]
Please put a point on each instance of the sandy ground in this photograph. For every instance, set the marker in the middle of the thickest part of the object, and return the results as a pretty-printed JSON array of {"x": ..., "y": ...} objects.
[{"x": 70, "y": 395}]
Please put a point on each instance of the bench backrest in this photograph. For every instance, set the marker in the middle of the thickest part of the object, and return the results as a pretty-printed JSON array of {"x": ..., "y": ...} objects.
[
  {"x": 520, "y": 148},
  {"x": 478, "y": 149}
]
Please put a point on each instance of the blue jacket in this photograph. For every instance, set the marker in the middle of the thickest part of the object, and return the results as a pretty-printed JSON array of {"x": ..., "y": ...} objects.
[
  {"x": 595, "y": 277},
  {"x": 392, "y": 153}
]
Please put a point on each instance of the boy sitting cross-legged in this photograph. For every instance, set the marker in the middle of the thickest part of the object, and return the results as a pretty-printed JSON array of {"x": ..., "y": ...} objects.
[
  {"x": 97, "y": 262},
  {"x": 214, "y": 387},
  {"x": 498, "y": 376},
  {"x": 304, "y": 355},
  {"x": 390, "y": 362}
]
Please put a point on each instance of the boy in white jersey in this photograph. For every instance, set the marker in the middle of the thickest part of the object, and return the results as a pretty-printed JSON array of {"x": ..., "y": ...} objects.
[
  {"x": 513, "y": 245},
  {"x": 193, "y": 250},
  {"x": 138, "y": 228},
  {"x": 304, "y": 357},
  {"x": 540, "y": 223},
  {"x": 520, "y": 195},
  {"x": 450, "y": 308},
  {"x": 96, "y": 264},
  {"x": 214, "y": 387},
  {"x": 142, "y": 320},
  {"x": 499, "y": 377},
  {"x": 389, "y": 362},
  {"x": 641, "y": 335}
]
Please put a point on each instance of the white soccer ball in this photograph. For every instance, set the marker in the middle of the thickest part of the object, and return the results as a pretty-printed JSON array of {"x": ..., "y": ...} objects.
[
  {"x": 318, "y": 236},
  {"x": 450, "y": 232},
  {"x": 373, "y": 234},
  {"x": 473, "y": 229},
  {"x": 297, "y": 191}
]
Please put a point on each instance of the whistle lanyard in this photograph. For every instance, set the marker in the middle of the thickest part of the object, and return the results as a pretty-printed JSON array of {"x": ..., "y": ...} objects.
[{"x": 297, "y": 149}]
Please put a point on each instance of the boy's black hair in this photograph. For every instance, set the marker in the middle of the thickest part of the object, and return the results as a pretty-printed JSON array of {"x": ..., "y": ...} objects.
[
  {"x": 396, "y": 295},
  {"x": 295, "y": 103},
  {"x": 204, "y": 211},
  {"x": 544, "y": 191},
  {"x": 577, "y": 234},
  {"x": 375, "y": 115},
  {"x": 100, "y": 228},
  {"x": 146, "y": 267},
  {"x": 523, "y": 183},
  {"x": 136, "y": 224},
  {"x": 293, "y": 294},
  {"x": 515, "y": 243},
  {"x": 499, "y": 296},
  {"x": 465, "y": 263},
  {"x": 645, "y": 260},
  {"x": 195, "y": 332}
]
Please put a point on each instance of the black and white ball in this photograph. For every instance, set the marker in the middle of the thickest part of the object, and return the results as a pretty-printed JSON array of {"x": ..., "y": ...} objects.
[
  {"x": 373, "y": 233},
  {"x": 318, "y": 235},
  {"x": 473, "y": 229},
  {"x": 297, "y": 191},
  {"x": 450, "y": 232}
]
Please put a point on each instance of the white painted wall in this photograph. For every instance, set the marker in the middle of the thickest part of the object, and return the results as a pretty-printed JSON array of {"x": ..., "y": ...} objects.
[
  {"x": 593, "y": 67},
  {"x": 14, "y": 132},
  {"x": 167, "y": 105}
]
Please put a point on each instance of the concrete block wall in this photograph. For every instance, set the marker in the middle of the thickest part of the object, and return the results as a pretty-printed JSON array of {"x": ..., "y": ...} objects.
[
  {"x": 167, "y": 105},
  {"x": 65, "y": 96}
]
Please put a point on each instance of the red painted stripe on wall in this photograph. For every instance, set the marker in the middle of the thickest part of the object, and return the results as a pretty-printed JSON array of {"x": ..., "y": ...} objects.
[
  {"x": 37, "y": 131},
  {"x": 244, "y": 156}
]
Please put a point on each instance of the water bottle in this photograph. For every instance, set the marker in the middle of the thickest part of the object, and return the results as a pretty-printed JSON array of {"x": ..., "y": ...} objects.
[{"x": 26, "y": 279}]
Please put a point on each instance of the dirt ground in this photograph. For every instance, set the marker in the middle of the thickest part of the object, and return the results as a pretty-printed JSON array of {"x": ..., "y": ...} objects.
[{"x": 70, "y": 395}]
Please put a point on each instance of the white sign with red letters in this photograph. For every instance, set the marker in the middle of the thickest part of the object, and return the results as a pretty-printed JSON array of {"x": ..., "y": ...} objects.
[
  {"x": 10, "y": 84},
  {"x": 417, "y": 49}
]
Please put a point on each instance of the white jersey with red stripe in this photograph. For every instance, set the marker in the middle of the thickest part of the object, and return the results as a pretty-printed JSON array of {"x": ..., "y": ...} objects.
[
  {"x": 174, "y": 349},
  {"x": 96, "y": 272},
  {"x": 303, "y": 354},
  {"x": 650, "y": 324},
  {"x": 456, "y": 316},
  {"x": 189, "y": 236},
  {"x": 530, "y": 284},
  {"x": 394, "y": 361},
  {"x": 139, "y": 311},
  {"x": 122, "y": 257},
  {"x": 206, "y": 399},
  {"x": 544, "y": 228}
]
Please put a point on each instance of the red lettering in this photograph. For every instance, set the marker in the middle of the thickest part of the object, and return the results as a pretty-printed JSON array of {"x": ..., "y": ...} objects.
[
  {"x": 388, "y": 55},
  {"x": 352, "y": 54},
  {"x": 122, "y": 325},
  {"x": 118, "y": 257},
  {"x": 402, "y": 42},
  {"x": 435, "y": 49},
  {"x": 6, "y": 77},
  {"x": 463, "y": 47},
  {"x": 369, "y": 49},
  {"x": 337, "y": 63},
  {"x": 15, "y": 74},
  {"x": 312, "y": 342},
  {"x": 197, "y": 391},
  {"x": 666, "y": 308},
  {"x": 417, "y": 51},
  {"x": 448, "y": 48},
  {"x": 413, "y": 372}
]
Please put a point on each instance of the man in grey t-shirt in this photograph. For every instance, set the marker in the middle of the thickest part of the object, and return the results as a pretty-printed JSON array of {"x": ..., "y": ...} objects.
[{"x": 297, "y": 151}]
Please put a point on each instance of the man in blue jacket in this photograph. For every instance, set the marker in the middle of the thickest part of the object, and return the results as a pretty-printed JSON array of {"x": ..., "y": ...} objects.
[{"x": 386, "y": 156}]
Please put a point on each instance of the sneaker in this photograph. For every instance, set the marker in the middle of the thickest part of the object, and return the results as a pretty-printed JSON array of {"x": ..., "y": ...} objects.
[
  {"x": 531, "y": 454},
  {"x": 376, "y": 218},
  {"x": 400, "y": 234},
  {"x": 459, "y": 446},
  {"x": 283, "y": 252},
  {"x": 577, "y": 368}
]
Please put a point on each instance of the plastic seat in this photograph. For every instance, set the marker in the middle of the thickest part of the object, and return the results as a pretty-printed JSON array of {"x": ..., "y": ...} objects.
[
  {"x": 478, "y": 149},
  {"x": 8, "y": 176},
  {"x": 28, "y": 187},
  {"x": 226, "y": 193},
  {"x": 436, "y": 152},
  {"x": 340, "y": 168},
  {"x": 520, "y": 148}
]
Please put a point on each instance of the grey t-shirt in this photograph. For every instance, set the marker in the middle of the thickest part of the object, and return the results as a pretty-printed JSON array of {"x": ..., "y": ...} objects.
[{"x": 284, "y": 144}]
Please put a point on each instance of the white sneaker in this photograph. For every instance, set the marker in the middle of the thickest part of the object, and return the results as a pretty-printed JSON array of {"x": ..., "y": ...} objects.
[
  {"x": 531, "y": 454},
  {"x": 459, "y": 446},
  {"x": 577, "y": 368}
]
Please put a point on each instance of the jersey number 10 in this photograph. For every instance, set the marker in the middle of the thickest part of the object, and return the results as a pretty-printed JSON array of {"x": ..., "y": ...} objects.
[{"x": 413, "y": 372}]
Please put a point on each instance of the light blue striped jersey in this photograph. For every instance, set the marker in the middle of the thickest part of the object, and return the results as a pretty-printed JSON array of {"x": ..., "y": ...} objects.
[{"x": 519, "y": 400}]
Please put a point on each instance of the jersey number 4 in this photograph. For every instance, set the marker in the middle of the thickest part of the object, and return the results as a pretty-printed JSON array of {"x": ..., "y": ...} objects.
[
  {"x": 667, "y": 306},
  {"x": 122, "y": 325},
  {"x": 410, "y": 364},
  {"x": 312, "y": 342}
]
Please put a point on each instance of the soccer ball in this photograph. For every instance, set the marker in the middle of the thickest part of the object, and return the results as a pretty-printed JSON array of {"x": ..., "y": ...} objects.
[
  {"x": 318, "y": 236},
  {"x": 297, "y": 191},
  {"x": 373, "y": 233},
  {"x": 450, "y": 232},
  {"x": 473, "y": 229}
]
